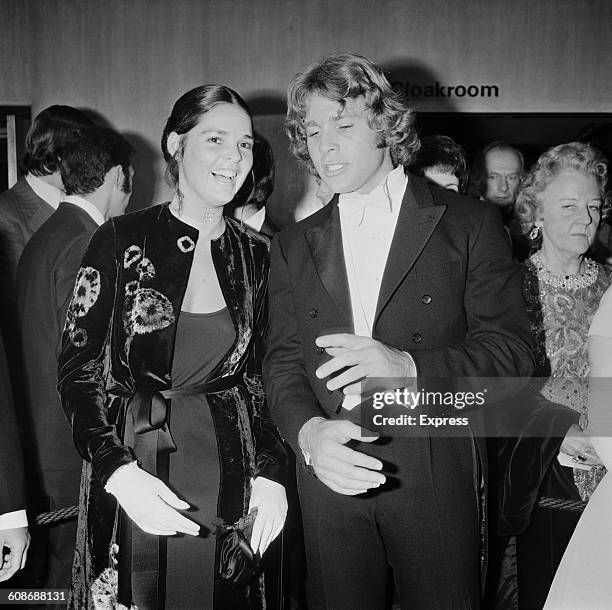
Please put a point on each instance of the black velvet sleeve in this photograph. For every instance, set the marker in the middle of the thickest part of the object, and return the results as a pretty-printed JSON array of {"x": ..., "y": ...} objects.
[
  {"x": 271, "y": 455},
  {"x": 84, "y": 362}
]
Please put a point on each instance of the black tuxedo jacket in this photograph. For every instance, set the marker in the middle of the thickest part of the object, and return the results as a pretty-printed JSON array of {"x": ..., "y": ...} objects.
[
  {"x": 45, "y": 280},
  {"x": 450, "y": 296}
]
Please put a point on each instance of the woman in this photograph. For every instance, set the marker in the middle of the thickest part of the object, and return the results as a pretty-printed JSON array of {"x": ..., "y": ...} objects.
[
  {"x": 583, "y": 578},
  {"x": 160, "y": 363},
  {"x": 560, "y": 204}
]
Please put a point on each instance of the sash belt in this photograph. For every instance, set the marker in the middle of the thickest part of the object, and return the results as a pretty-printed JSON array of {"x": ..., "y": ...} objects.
[{"x": 148, "y": 433}]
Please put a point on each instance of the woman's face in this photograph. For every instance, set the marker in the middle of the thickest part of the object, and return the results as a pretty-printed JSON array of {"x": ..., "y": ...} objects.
[
  {"x": 217, "y": 155},
  {"x": 569, "y": 210}
]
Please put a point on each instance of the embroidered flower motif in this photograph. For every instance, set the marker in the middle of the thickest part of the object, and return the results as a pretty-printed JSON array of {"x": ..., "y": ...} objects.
[
  {"x": 86, "y": 291},
  {"x": 151, "y": 310},
  {"x": 78, "y": 337},
  {"x": 185, "y": 244},
  {"x": 145, "y": 269},
  {"x": 131, "y": 288},
  {"x": 132, "y": 255},
  {"x": 105, "y": 588},
  {"x": 85, "y": 294}
]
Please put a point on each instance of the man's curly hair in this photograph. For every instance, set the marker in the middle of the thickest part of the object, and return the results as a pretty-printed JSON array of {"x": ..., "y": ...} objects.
[{"x": 344, "y": 76}]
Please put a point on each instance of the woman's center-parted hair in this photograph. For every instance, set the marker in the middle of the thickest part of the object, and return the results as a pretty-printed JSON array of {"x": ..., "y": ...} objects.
[
  {"x": 186, "y": 113},
  {"x": 344, "y": 76},
  {"x": 573, "y": 156}
]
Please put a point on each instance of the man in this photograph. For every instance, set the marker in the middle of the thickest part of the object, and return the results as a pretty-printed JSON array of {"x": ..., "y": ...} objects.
[
  {"x": 25, "y": 206},
  {"x": 96, "y": 175},
  {"x": 497, "y": 172},
  {"x": 496, "y": 178},
  {"x": 14, "y": 536},
  {"x": 440, "y": 160},
  {"x": 391, "y": 279}
]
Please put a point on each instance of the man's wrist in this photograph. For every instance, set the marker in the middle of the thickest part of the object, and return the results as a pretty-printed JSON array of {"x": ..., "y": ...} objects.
[{"x": 304, "y": 438}]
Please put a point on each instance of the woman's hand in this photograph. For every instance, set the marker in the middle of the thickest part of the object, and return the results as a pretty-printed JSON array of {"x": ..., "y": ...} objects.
[
  {"x": 579, "y": 447},
  {"x": 149, "y": 503},
  {"x": 270, "y": 500}
]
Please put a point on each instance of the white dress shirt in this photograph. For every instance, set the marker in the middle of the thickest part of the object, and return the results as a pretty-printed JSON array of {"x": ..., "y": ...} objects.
[
  {"x": 49, "y": 193},
  {"x": 89, "y": 207},
  {"x": 368, "y": 223}
]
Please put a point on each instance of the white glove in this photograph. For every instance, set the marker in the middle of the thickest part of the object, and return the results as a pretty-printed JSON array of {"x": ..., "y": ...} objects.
[
  {"x": 149, "y": 503},
  {"x": 270, "y": 500}
]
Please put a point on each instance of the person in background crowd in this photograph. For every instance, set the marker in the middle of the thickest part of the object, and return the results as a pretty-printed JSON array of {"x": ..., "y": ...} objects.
[
  {"x": 599, "y": 136},
  {"x": 26, "y": 206},
  {"x": 14, "y": 536},
  {"x": 495, "y": 177},
  {"x": 442, "y": 161},
  {"x": 97, "y": 179},
  {"x": 341, "y": 311},
  {"x": 165, "y": 329},
  {"x": 559, "y": 204},
  {"x": 249, "y": 203}
]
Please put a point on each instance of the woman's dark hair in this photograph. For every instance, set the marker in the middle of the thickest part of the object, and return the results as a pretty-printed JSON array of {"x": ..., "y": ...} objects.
[
  {"x": 50, "y": 130},
  {"x": 186, "y": 113},
  {"x": 260, "y": 188},
  {"x": 443, "y": 154},
  {"x": 344, "y": 76}
]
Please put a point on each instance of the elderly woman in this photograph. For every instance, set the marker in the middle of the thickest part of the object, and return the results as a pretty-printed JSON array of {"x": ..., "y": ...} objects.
[
  {"x": 159, "y": 375},
  {"x": 560, "y": 204}
]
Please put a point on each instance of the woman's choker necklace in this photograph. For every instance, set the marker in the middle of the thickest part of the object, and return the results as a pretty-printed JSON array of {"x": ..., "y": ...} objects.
[
  {"x": 209, "y": 215},
  {"x": 568, "y": 282}
]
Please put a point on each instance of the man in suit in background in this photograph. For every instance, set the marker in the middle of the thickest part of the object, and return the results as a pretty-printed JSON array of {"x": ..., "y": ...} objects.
[
  {"x": 35, "y": 196},
  {"x": 391, "y": 279},
  {"x": 14, "y": 534},
  {"x": 97, "y": 177}
]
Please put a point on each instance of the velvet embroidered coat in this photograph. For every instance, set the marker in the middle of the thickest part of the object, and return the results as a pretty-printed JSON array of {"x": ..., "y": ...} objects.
[{"x": 119, "y": 338}]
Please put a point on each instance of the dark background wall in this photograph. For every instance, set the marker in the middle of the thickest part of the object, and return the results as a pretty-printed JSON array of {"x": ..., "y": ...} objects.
[{"x": 128, "y": 60}]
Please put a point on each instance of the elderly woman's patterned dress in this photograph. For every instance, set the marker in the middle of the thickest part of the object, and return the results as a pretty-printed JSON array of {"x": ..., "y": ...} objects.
[
  {"x": 560, "y": 315},
  {"x": 116, "y": 361}
]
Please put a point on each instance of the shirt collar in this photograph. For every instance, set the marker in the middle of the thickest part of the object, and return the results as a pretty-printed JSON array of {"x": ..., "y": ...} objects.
[
  {"x": 87, "y": 206},
  {"x": 47, "y": 192},
  {"x": 386, "y": 197}
]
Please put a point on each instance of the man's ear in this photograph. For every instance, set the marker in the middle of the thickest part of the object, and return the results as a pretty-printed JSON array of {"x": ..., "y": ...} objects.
[{"x": 173, "y": 142}]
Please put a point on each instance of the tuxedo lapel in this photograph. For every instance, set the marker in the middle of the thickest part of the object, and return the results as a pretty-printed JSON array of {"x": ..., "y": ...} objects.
[
  {"x": 325, "y": 244},
  {"x": 415, "y": 224}
]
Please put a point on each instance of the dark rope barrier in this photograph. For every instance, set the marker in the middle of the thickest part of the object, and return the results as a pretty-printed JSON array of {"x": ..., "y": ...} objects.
[
  {"x": 576, "y": 506},
  {"x": 63, "y": 514}
]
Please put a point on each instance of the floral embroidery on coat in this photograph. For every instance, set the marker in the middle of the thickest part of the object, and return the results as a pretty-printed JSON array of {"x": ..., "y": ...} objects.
[
  {"x": 104, "y": 589},
  {"x": 146, "y": 311},
  {"x": 85, "y": 294}
]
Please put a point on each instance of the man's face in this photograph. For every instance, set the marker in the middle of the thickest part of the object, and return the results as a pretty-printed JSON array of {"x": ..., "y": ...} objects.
[
  {"x": 343, "y": 147},
  {"x": 503, "y": 170}
]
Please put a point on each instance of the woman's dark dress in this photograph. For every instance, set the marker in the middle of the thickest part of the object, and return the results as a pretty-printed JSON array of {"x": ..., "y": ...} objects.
[{"x": 201, "y": 342}]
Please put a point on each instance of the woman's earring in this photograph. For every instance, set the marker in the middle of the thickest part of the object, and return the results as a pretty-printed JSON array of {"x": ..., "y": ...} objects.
[
  {"x": 535, "y": 232},
  {"x": 179, "y": 203}
]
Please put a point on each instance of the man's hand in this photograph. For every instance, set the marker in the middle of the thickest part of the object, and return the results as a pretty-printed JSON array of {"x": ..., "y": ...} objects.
[
  {"x": 364, "y": 357},
  {"x": 17, "y": 541},
  {"x": 342, "y": 469}
]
